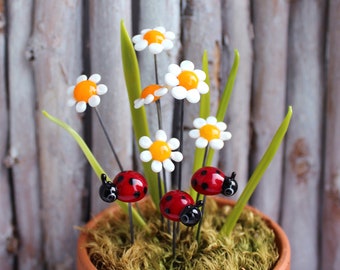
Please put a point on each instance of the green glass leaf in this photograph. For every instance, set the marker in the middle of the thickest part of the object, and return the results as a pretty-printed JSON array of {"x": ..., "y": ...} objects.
[
  {"x": 138, "y": 220},
  {"x": 257, "y": 175},
  {"x": 139, "y": 119}
]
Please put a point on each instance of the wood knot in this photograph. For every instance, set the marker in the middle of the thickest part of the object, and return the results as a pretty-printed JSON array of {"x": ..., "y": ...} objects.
[{"x": 298, "y": 159}]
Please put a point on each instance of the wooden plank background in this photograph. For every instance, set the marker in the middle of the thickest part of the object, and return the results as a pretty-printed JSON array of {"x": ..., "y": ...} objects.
[{"x": 289, "y": 56}]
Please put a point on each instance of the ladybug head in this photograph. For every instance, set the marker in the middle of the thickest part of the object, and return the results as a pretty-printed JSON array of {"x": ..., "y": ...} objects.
[
  {"x": 191, "y": 215},
  {"x": 229, "y": 186},
  {"x": 107, "y": 191}
]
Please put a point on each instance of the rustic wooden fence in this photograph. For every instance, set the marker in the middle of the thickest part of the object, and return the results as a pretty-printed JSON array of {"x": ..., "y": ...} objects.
[{"x": 289, "y": 56}]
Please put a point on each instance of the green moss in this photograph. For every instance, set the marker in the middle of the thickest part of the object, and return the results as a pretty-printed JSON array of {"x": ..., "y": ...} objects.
[{"x": 250, "y": 246}]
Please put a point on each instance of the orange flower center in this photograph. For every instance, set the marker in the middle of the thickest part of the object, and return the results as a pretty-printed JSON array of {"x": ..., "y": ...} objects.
[
  {"x": 154, "y": 36},
  {"x": 188, "y": 79},
  {"x": 151, "y": 89},
  {"x": 160, "y": 151},
  {"x": 84, "y": 90},
  {"x": 210, "y": 132}
]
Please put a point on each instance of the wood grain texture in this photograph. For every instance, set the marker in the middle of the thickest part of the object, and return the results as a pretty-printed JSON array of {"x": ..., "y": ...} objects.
[
  {"x": 105, "y": 58},
  {"x": 6, "y": 229},
  {"x": 237, "y": 33},
  {"x": 269, "y": 96},
  {"x": 303, "y": 145},
  {"x": 201, "y": 26},
  {"x": 56, "y": 49},
  {"x": 23, "y": 141},
  {"x": 331, "y": 194}
]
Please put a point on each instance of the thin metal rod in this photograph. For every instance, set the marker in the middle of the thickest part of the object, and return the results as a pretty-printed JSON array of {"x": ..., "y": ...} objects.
[
  {"x": 156, "y": 68},
  {"x": 200, "y": 222},
  {"x": 174, "y": 236},
  {"x": 132, "y": 231},
  {"x": 108, "y": 139},
  {"x": 159, "y": 113},
  {"x": 179, "y": 173}
]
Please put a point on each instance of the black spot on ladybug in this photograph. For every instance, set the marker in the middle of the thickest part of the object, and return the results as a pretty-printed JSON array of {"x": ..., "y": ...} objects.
[
  {"x": 167, "y": 210},
  {"x": 184, "y": 198},
  {"x": 145, "y": 190},
  {"x": 194, "y": 182},
  {"x": 205, "y": 186},
  {"x": 131, "y": 181},
  {"x": 218, "y": 172},
  {"x": 168, "y": 198},
  {"x": 204, "y": 172},
  {"x": 136, "y": 194},
  {"x": 120, "y": 178}
]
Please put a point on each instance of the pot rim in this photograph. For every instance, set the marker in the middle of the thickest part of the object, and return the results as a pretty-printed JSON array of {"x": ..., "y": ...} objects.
[{"x": 283, "y": 263}]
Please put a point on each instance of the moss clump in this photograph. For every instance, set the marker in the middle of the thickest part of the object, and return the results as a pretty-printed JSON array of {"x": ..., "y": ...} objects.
[{"x": 250, "y": 246}]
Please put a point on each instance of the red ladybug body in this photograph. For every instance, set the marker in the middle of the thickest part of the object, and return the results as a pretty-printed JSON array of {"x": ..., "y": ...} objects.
[
  {"x": 127, "y": 186},
  {"x": 212, "y": 181},
  {"x": 178, "y": 205}
]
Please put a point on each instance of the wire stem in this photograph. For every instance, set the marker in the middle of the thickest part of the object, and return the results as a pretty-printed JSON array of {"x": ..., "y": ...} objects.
[
  {"x": 132, "y": 231},
  {"x": 108, "y": 139}
]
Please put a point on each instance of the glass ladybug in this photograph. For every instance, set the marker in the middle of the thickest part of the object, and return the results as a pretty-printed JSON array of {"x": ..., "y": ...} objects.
[
  {"x": 212, "y": 181},
  {"x": 127, "y": 186},
  {"x": 178, "y": 205}
]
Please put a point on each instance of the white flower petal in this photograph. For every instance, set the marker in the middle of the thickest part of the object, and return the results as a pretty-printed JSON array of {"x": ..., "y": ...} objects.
[
  {"x": 187, "y": 65},
  {"x": 174, "y": 69},
  {"x": 225, "y": 136},
  {"x": 94, "y": 101},
  {"x": 201, "y": 142},
  {"x": 95, "y": 78},
  {"x": 177, "y": 156},
  {"x": 138, "y": 103},
  {"x": 193, "y": 96},
  {"x": 179, "y": 92},
  {"x": 149, "y": 98},
  {"x": 202, "y": 87},
  {"x": 81, "y": 78},
  {"x": 156, "y": 166},
  {"x": 81, "y": 106},
  {"x": 216, "y": 144},
  {"x": 170, "y": 79},
  {"x": 161, "y": 92},
  {"x": 199, "y": 122},
  {"x": 145, "y": 142},
  {"x": 200, "y": 74},
  {"x": 170, "y": 35},
  {"x": 194, "y": 133},
  {"x": 167, "y": 44},
  {"x": 101, "y": 89},
  {"x": 71, "y": 102},
  {"x": 141, "y": 45},
  {"x": 211, "y": 120},
  {"x": 145, "y": 156},
  {"x": 168, "y": 165},
  {"x": 136, "y": 38},
  {"x": 70, "y": 90},
  {"x": 221, "y": 126},
  {"x": 144, "y": 31},
  {"x": 160, "y": 135},
  {"x": 173, "y": 143},
  {"x": 156, "y": 48},
  {"x": 160, "y": 29}
]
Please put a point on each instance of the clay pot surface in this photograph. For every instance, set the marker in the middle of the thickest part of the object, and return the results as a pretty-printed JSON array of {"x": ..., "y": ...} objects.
[{"x": 283, "y": 263}]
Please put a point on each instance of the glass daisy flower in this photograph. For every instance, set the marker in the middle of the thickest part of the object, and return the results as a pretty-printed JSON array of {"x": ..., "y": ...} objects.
[
  {"x": 150, "y": 94},
  {"x": 160, "y": 151},
  {"x": 86, "y": 91},
  {"x": 157, "y": 39},
  {"x": 210, "y": 132},
  {"x": 186, "y": 81}
]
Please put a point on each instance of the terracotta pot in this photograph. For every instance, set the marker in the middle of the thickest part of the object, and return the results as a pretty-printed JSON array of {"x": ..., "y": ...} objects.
[{"x": 283, "y": 263}]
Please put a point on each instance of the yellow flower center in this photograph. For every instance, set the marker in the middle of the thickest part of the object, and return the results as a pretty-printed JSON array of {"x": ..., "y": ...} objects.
[
  {"x": 84, "y": 90},
  {"x": 151, "y": 89},
  {"x": 210, "y": 132},
  {"x": 154, "y": 36},
  {"x": 188, "y": 79},
  {"x": 160, "y": 151}
]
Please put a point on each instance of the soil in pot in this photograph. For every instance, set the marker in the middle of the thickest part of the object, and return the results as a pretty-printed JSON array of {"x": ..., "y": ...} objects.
[{"x": 251, "y": 246}]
